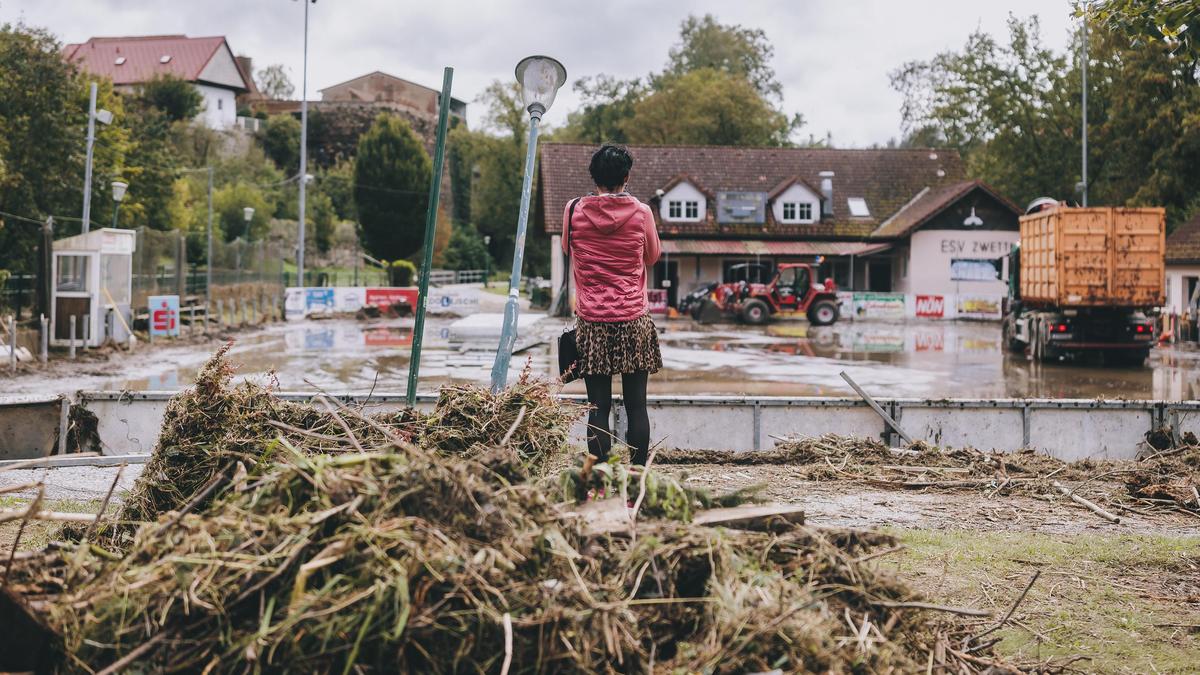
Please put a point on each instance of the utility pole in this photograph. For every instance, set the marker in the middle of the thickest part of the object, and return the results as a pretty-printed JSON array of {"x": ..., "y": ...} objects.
[
  {"x": 1084, "y": 66},
  {"x": 303, "y": 147},
  {"x": 87, "y": 171},
  {"x": 208, "y": 260}
]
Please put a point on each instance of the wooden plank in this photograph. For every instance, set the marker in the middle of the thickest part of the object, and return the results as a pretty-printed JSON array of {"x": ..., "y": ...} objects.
[{"x": 750, "y": 516}]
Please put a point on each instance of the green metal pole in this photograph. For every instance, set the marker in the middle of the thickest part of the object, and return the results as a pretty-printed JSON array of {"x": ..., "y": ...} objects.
[{"x": 435, "y": 190}]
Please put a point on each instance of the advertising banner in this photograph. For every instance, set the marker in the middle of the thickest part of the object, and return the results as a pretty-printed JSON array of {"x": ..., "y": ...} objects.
[
  {"x": 349, "y": 299},
  {"x": 657, "y": 299},
  {"x": 164, "y": 315},
  {"x": 388, "y": 296},
  {"x": 845, "y": 305},
  {"x": 457, "y": 301},
  {"x": 879, "y": 305},
  {"x": 980, "y": 306},
  {"x": 931, "y": 306},
  {"x": 318, "y": 300}
]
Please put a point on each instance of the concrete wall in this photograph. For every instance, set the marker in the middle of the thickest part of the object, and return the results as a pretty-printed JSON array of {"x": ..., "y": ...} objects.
[{"x": 1070, "y": 429}]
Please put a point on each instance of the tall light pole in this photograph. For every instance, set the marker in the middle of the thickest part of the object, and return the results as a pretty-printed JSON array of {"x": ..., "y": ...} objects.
[
  {"x": 248, "y": 214},
  {"x": 104, "y": 117},
  {"x": 540, "y": 78},
  {"x": 303, "y": 146},
  {"x": 1083, "y": 65},
  {"x": 118, "y": 192}
]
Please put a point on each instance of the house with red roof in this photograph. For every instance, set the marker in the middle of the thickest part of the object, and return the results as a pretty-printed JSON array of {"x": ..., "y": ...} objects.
[
  {"x": 1183, "y": 268},
  {"x": 207, "y": 62},
  {"x": 903, "y": 231}
]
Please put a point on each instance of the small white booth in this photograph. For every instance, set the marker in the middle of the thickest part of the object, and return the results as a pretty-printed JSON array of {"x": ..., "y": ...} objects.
[{"x": 93, "y": 281}]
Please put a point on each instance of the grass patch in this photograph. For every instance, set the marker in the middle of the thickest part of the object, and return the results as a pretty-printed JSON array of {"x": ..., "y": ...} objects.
[
  {"x": 37, "y": 533},
  {"x": 1102, "y": 596}
]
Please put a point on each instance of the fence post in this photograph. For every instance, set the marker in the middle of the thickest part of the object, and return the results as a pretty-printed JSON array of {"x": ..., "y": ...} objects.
[
  {"x": 12, "y": 342},
  {"x": 180, "y": 264},
  {"x": 72, "y": 340},
  {"x": 192, "y": 320},
  {"x": 221, "y": 313},
  {"x": 45, "y": 339},
  {"x": 86, "y": 330}
]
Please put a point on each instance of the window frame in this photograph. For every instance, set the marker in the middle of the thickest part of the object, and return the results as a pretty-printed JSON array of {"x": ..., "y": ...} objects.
[
  {"x": 675, "y": 209},
  {"x": 797, "y": 217},
  {"x": 691, "y": 209}
]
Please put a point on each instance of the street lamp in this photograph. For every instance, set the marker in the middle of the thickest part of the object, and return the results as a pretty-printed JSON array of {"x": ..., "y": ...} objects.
[
  {"x": 248, "y": 212},
  {"x": 487, "y": 260},
  {"x": 540, "y": 78},
  {"x": 118, "y": 188},
  {"x": 104, "y": 117},
  {"x": 303, "y": 144}
]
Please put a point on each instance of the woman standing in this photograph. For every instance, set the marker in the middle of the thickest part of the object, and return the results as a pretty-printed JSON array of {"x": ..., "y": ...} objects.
[{"x": 611, "y": 239}]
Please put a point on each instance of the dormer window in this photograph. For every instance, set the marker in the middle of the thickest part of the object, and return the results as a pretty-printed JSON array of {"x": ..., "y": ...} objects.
[
  {"x": 797, "y": 212},
  {"x": 684, "y": 203}
]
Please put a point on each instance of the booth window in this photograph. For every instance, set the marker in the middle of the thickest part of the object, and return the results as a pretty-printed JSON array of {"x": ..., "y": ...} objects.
[
  {"x": 114, "y": 276},
  {"x": 72, "y": 273}
]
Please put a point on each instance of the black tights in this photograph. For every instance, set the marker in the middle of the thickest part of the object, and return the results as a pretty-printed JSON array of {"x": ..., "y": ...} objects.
[{"x": 633, "y": 390}]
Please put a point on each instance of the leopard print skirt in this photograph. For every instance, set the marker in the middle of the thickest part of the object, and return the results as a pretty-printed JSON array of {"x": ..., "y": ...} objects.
[{"x": 616, "y": 347}]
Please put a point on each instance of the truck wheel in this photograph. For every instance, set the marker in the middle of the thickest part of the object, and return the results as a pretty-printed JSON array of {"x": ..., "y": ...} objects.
[
  {"x": 755, "y": 312},
  {"x": 1011, "y": 343},
  {"x": 823, "y": 313}
]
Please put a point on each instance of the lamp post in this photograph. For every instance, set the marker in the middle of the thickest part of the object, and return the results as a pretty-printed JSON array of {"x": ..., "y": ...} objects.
[
  {"x": 248, "y": 212},
  {"x": 303, "y": 144},
  {"x": 540, "y": 78},
  {"x": 104, "y": 117},
  {"x": 487, "y": 260},
  {"x": 118, "y": 188}
]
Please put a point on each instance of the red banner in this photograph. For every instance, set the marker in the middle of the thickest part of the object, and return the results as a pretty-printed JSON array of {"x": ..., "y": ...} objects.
[
  {"x": 386, "y": 297},
  {"x": 931, "y": 306},
  {"x": 657, "y": 299}
]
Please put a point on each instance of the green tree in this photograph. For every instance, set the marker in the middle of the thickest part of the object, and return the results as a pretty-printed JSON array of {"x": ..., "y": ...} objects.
[
  {"x": 321, "y": 215},
  {"x": 229, "y": 202},
  {"x": 281, "y": 142},
  {"x": 466, "y": 250},
  {"x": 720, "y": 74},
  {"x": 274, "y": 83},
  {"x": 1172, "y": 22},
  {"x": 1014, "y": 111},
  {"x": 391, "y": 179},
  {"x": 709, "y": 107},
  {"x": 151, "y": 168},
  {"x": 607, "y": 105},
  {"x": 177, "y": 98},
  {"x": 705, "y": 44},
  {"x": 338, "y": 182}
]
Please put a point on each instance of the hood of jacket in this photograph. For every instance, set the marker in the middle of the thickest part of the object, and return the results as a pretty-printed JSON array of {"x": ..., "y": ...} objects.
[{"x": 609, "y": 213}]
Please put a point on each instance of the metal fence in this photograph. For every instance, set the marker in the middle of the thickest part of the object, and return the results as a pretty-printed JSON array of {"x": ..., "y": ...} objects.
[{"x": 160, "y": 265}]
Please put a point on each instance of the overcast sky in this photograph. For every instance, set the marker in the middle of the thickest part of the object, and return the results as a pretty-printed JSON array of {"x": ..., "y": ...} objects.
[{"x": 832, "y": 57}]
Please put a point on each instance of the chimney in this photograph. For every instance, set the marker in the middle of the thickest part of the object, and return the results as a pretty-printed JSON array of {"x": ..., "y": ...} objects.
[
  {"x": 826, "y": 193},
  {"x": 247, "y": 65}
]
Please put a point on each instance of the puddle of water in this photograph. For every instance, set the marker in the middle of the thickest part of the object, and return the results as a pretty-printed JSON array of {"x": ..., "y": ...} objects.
[{"x": 788, "y": 359}]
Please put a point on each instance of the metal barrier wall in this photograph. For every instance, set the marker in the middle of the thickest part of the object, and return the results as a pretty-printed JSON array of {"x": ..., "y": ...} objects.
[{"x": 1070, "y": 429}]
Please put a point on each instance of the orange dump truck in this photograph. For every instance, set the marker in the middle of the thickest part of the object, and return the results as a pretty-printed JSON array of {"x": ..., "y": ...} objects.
[{"x": 1086, "y": 280}]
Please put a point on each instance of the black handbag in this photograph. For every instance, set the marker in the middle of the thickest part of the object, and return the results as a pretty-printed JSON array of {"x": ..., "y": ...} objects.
[{"x": 568, "y": 348}]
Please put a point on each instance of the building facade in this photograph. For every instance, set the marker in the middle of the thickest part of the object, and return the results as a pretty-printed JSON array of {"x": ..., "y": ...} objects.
[
  {"x": 902, "y": 232},
  {"x": 1183, "y": 269},
  {"x": 207, "y": 62},
  {"x": 392, "y": 92}
]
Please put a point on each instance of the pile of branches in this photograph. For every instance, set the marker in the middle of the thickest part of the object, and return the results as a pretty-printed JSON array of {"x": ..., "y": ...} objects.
[
  {"x": 316, "y": 539},
  {"x": 1171, "y": 476},
  {"x": 833, "y": 457}
]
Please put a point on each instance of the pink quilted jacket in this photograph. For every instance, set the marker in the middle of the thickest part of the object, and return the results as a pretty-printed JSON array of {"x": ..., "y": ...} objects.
[{"x": 612, "y": 240}]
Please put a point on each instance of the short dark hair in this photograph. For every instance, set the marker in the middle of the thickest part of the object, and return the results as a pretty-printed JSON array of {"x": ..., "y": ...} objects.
[{"x": 610, "y": 166}]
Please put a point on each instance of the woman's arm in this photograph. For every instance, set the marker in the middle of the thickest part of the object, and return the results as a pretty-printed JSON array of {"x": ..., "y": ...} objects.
[
  {"x": 565, "y": 227},
  {"x": 653, "y": 246}
]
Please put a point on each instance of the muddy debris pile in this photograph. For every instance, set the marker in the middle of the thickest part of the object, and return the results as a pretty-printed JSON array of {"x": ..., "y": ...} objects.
[
  {"x": 312, "y": 538},
  {"x": 1171, "y": 476},
  {"x": 833, "y": 457}
]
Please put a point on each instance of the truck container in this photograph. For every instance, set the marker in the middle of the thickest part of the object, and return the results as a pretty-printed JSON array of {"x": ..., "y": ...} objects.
[
  {"x": 1093, "y": 257},
  {"x": 1085, "y": 280}
]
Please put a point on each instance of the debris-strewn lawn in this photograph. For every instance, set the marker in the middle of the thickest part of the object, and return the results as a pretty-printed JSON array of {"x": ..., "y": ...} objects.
[{"x": 1130, "y": 603}]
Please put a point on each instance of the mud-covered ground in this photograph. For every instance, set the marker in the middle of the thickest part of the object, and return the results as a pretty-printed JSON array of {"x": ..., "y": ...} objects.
[{"x": 918, "y": 359}]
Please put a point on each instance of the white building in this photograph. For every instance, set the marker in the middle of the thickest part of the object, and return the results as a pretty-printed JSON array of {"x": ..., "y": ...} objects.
[
  {"x": 207, "y": 62},
  {"x": 1183, "y": 268},
  {"x": 902, "y": 232}
]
